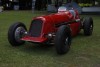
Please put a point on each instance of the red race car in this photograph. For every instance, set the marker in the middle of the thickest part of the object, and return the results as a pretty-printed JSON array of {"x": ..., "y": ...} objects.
[{"x": 57, "y": 29}]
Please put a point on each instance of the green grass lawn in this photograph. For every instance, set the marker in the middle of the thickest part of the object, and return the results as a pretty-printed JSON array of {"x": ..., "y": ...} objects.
[{"x": 85, "y": 51}]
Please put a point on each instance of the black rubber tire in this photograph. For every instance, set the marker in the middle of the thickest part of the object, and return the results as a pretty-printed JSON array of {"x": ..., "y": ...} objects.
[
  {"x": 88, "y": 26},
  {"x": 60, "y": 39},
  {"x": 11, "y": 34}
]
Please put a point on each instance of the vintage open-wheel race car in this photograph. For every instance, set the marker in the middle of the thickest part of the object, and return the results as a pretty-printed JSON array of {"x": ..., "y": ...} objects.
[{"x": 57, "y": 29}]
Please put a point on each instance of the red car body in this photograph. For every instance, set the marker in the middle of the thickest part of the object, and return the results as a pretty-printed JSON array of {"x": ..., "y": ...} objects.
[
  {"x": 57, "y": 29},
  {"x": 47, "y": 26}
]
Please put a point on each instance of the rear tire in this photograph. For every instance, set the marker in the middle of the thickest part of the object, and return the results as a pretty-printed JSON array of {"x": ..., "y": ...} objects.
[
  {"x": 63, "y": 39},
  {"x": 15, "y": 34},
  {"x": 88, "y": 26}
]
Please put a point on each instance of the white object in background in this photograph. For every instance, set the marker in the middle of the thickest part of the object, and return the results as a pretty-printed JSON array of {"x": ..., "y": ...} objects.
[
  {"x": 16, "y": 7},
  {"x": 33, "y": 5},
  {"x": 1, "y": 8},
  {"x": 96, "y": 3},
  {"x": 91, "y": 9}
]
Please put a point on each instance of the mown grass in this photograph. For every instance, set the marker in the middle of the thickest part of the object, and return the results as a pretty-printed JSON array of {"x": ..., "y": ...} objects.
[{"x": 85, "y": 51}]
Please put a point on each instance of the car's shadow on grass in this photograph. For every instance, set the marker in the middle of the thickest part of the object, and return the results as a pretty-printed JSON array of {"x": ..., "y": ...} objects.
[
  {"x": 43, "y": 49},
  {"x": 80, "y": 35},
  {"x": 37, "y": 49}
]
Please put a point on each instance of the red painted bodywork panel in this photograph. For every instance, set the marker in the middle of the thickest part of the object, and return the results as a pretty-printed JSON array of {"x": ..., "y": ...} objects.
[
  {"x": 49, "y": 22},
  {"x": 34, "y": 39}
]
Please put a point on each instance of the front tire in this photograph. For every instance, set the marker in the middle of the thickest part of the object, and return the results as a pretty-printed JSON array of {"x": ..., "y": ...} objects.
[
  {"x": 15, "y": 33},
  {"x": 63, "y": 39}
]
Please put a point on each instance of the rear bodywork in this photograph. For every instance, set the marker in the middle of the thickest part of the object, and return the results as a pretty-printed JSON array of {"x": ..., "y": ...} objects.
[{"x": 42, "y": 26}]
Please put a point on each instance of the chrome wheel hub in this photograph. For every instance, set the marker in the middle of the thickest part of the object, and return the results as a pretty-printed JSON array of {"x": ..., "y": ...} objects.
[
  {"x": 66, "y": 41},
  {"x": 19, "y": 32}
]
